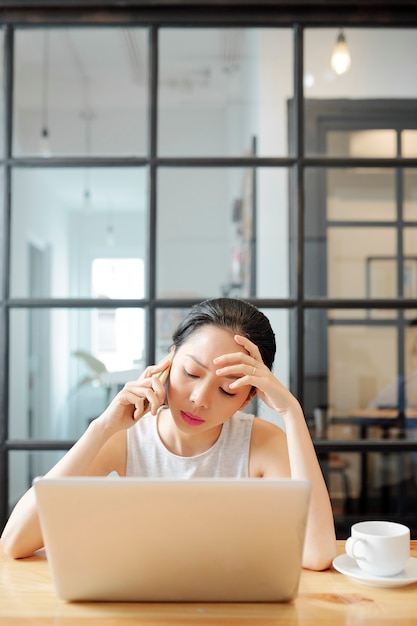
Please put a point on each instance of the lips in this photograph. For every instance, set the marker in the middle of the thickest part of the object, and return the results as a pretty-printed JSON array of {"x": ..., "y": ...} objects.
[{"x": 191, "y": 419}]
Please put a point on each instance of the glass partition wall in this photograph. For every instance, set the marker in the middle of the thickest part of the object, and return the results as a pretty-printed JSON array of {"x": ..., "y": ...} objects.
[{"x": 148, "y": 166}]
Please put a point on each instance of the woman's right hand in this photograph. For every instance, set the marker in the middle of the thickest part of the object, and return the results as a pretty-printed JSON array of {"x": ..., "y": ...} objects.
[
  {"x": 91, "y": 455},
  {"x": 137, "y": 397}
]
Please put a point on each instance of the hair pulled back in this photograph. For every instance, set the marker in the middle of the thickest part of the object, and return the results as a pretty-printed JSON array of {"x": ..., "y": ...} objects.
[{"x": 238, "y": 316}]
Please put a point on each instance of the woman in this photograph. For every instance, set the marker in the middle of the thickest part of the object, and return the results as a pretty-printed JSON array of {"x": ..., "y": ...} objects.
[{"x": 221, "y": 357}]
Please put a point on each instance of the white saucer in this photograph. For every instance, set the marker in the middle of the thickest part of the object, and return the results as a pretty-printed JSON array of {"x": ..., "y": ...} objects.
[{"x": 346, "y": 565}]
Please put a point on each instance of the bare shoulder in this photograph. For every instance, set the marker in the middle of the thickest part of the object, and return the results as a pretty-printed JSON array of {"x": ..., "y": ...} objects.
[
  {"x": 268, "y": 450},
  {"x": 267, "y": 433}
]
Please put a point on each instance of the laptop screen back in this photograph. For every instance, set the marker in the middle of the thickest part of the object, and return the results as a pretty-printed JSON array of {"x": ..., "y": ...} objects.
[{"x": 132, "y": 539}]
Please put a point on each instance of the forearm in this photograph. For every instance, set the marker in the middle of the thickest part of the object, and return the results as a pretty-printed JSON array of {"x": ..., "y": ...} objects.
[
  {"x": 90, "y": 455},
  {"x": 79, "y": 458},
  {"x": 320, "y": 541},
  {"x": 22, "y": 534}
]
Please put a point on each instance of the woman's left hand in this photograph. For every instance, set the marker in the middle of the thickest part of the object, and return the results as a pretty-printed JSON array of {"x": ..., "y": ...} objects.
[
  {"x": 251, "y": 369},
  {"x": 248, "y": 367}
]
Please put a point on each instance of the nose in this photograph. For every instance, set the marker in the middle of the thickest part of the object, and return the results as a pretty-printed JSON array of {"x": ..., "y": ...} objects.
[{"x": 200, "y": 394}]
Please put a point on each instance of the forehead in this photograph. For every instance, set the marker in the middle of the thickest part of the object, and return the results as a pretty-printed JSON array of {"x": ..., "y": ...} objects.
[{"x": 211, "y": 339}]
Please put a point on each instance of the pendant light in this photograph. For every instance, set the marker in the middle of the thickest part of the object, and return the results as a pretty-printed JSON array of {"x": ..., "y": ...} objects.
[
  {"x": 45, "y": 147},
  {"x": 88, "y": 117},
  {"x": 340, "y": 60}
]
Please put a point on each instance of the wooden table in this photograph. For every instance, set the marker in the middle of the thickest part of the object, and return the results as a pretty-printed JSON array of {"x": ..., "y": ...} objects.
[{"x": 325, "y": 598}]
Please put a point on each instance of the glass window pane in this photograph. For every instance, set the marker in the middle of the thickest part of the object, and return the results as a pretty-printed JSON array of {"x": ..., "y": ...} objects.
[
  {"x": 352, "y": 375},
  {"x": 362, "y": 143},
  {"x": 24, "y": 466},
  {"x": 66, "y": 365},
  {"x": 63, "y": 220},
  {"x": 80, "y": 91},
  {"x": 359, "y": 194},
  {"x": 350, "y": 365},
  {"x": 360, "y": 374},
  {"x": 411, "y": 365},
  {"x": 219, "y": 89},
  {"x": 206, "y": 232},
  {"x": 410, "y": 195},
  {"x": 167, "y": 321},
  {"x": 353, "y": 368},
  {"x": 377, "y": 483},
  {"x": 410, "y": 263},
  {"x": 409, "y": 143},
  {"x": 358, "y": 103},
  {"x": 343, "y": 260},
  {"x": 358, "y": 265},
  {"x": 391, "y": 480}
]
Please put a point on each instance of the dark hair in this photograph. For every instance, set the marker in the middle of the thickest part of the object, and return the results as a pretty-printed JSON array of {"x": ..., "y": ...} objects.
[{"x": 241, "y": 317}]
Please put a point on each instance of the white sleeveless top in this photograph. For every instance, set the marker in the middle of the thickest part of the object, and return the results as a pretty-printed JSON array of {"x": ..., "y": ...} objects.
[{"x": 227, "y": 458}]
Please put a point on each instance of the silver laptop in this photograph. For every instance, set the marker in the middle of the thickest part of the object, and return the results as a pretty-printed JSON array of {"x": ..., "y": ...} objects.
[{"x": 199, "y": 540}]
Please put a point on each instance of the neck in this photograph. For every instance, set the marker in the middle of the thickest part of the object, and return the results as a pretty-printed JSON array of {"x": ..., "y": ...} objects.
[{"x": 184, "y": 444}]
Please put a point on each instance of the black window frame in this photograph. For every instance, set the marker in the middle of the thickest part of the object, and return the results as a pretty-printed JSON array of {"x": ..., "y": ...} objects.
[{"x": 156, "y": 14}]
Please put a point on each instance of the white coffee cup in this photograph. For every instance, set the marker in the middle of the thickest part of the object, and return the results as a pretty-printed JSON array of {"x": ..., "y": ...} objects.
[{"x": 379, "y": 548}]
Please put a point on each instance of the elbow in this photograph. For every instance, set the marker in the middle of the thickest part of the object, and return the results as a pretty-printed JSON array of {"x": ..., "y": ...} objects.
[
  {"x": 317, "y": 564},
  {"x": 9, "y": 548},
  {"x": 22, "y": 535},
  {"x": 12, "y": 547},
  {"x": 319, "y": 560}
]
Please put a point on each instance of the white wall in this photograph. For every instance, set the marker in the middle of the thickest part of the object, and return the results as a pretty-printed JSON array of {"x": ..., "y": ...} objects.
[{"x": 35, "y": 218}]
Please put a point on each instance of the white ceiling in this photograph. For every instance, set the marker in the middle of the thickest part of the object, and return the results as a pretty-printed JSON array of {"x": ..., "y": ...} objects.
[{"x": 103, "y": 71}]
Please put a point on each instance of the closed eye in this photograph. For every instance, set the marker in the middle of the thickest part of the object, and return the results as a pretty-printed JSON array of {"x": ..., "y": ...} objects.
[
  {"x": 223, "y": 391},
  {"x": 189, "y": 374},
  {"x": 226, "y": 393}
]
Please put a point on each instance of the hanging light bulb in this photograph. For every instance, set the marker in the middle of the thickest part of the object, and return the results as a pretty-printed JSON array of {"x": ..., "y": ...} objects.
[
  {"x": 87, "y": 117},
  {"x": 87, "y": 196},
  {"x": 45, "y": 147},
  {"x": 340, "y": 60}
]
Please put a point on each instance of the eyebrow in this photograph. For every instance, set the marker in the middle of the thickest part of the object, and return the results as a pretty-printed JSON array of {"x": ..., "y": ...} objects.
[{"x": 231, "y": 377}]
